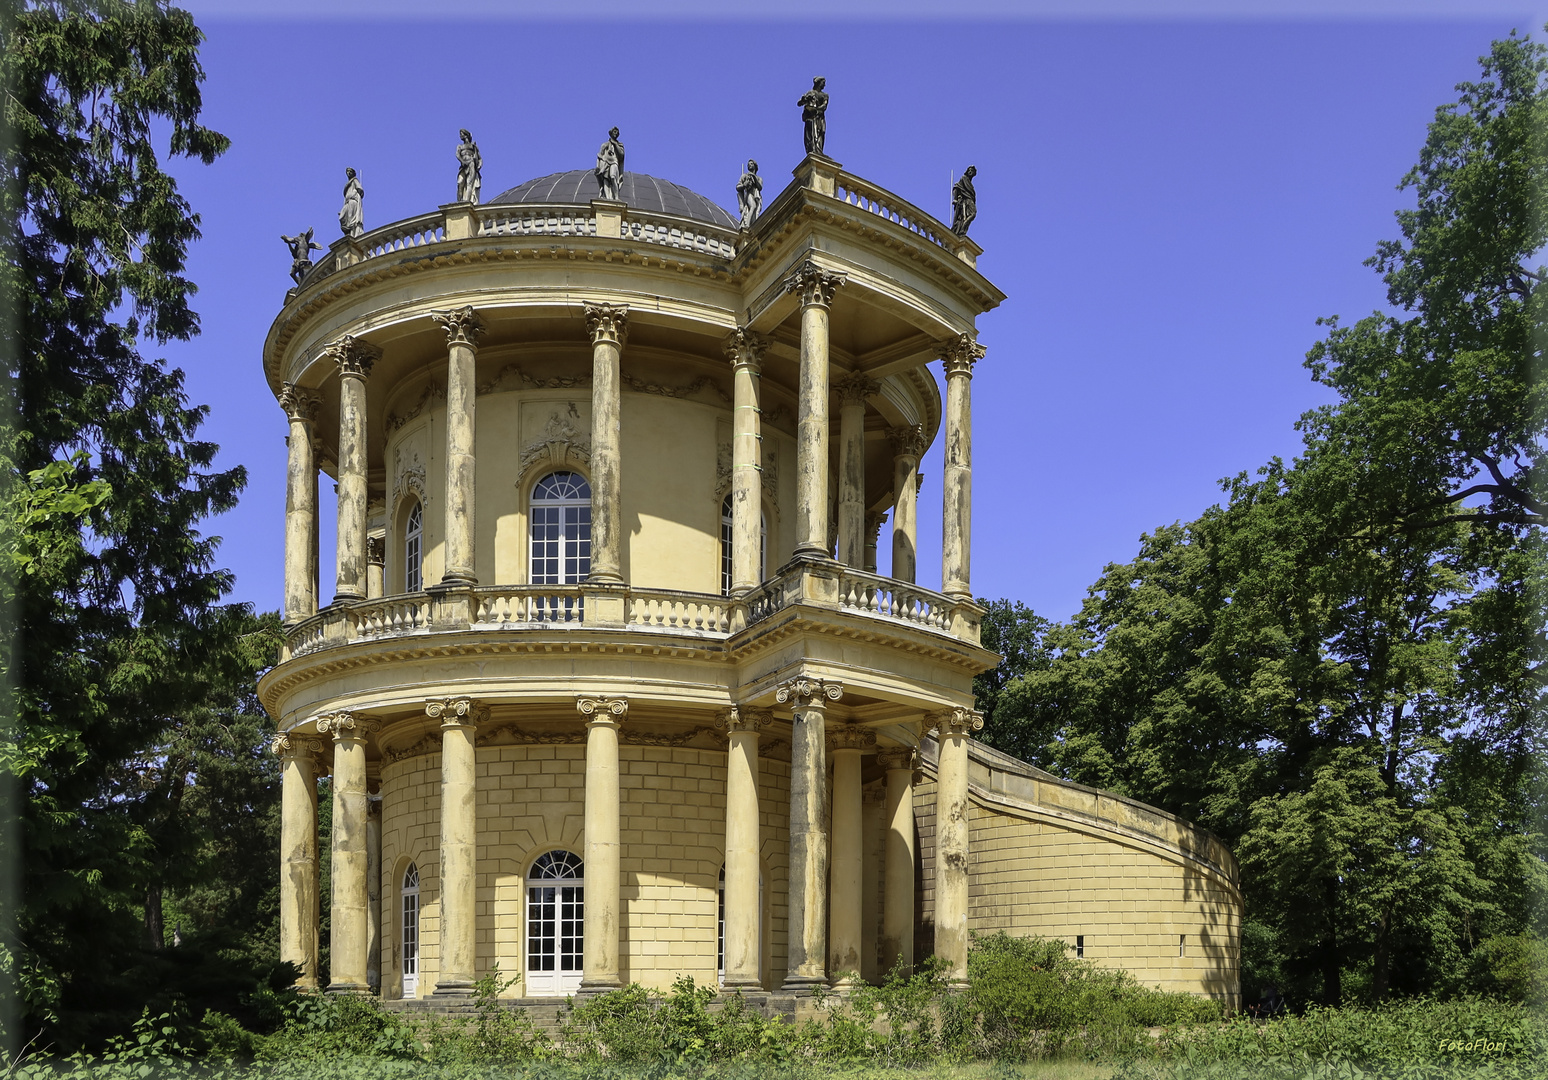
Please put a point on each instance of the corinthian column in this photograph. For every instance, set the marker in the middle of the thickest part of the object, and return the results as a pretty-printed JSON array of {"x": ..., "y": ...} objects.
[
  {"x": 808, "y": 699},
  {"x": 608, "y": 326},
  {"x": 459, "y": 719},
  {"x": 957, "y": 510},
  {"x": 852, "y": 389},
  {"x": 745, "y": 351},
  {"x": 463, "y": 329},
  {"x": 300, "y": 407},
  {"x": 952, "y": 730},
  {"x": 907, "y": 447},
  {"x": 742, "y": 943},
  {"x": 350, "y": 930},
  {"x": 845, "y": 917},
  {"x": 299, "y": 908},
  {"x": 600, "y": 963},
  {"x": 353, "y": 358},
  {"x": 815, "y": 288},
  {"x": 897, "y": 936}
]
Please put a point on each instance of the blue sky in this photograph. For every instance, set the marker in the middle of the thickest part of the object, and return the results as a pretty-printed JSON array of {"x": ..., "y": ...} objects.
[{"x": 1169, "y": 205}]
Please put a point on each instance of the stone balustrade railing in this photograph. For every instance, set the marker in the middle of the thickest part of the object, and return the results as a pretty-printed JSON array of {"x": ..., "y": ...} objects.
[
  {"x": 531, "y": 219},
  {"x": 820, "y": 584},
  {"x": 415, "y": 232},
  {"x": 867, "y": 196},
  {"x": 678, "y": 233}
]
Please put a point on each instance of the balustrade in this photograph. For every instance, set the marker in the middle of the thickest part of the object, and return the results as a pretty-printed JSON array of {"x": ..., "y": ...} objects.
[
  {"x": 870, "y": 594},
  {"x": 858, "y": 193},
  {"x": 678, "y": 611},
  {"x": 519, "y": 605},
  {"x": 525, "y": 219},
  {"x": 415, "y": 232},
  {"x": 389, "y": 617}
]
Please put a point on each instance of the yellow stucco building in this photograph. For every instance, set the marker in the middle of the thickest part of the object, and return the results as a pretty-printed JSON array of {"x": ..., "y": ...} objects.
[{"x": 604, "y": 676}]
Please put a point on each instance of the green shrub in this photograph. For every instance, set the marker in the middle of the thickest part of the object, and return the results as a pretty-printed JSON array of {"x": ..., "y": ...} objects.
[
  {"x": 1513, "y": 968},
  {"x": 326, "y": 1027}
]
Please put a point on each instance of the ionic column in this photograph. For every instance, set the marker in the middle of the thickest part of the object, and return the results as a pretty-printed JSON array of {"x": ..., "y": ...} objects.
[
  {"x": 907, "y": 446},
  {"x": 300, "y": 407},
  {"x": 897, "y": 936},
  {"x": 299, "y": 906},
  {"x": 463, "y": 329},
  {"x": 745, "y": 351},
  {"x": 349, "y": 924},
  {"x": 844, "y": 915},
  {"x": 957, "y": 509},
  {"x": 608, "y": 326},
  {"x": 459, "y": 719},
  {"x": 808, "y": 700},
  {"x": 852, "y": 392},
  {"x": 376, "y": 566},
  {"x": 742, "y": 941},
  {"x": 952, "y": 730},
  {"x": 815, "y": 288},
  {"x": 353, "y": 358},
  {"x": 603, "y": 717}
]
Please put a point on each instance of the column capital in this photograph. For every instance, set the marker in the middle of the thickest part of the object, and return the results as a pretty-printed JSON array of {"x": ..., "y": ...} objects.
[
  {"x": 850, "y": 737},
  {"x": 299, "y": 403},
  {"x": 346, "y": 726},
  {"x": 739, "y": 718},
  {"x": 907, "y": 441},
  {"x": 352, "y": 356},
  {"x": 745, "y": 349},
  {"x": 813, "y": 285},
  {"x": 855, "y": 387},
  {"x": 959, "y": 354},
  {"x": 954, "y": 722},
  {"x": 462, "y": 325},
  {"x": 898, "y": 758},
  {"x": 288, "y": 745},
  {"x": 607, "y": 323},
  {"x": 602, "y": 710},
  {"x": 454, "y": 712},
  {"x": 808, "y": 693}
]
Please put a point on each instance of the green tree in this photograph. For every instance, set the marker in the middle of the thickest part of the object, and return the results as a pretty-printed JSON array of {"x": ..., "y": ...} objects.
[{"x": 113, "y": 593}]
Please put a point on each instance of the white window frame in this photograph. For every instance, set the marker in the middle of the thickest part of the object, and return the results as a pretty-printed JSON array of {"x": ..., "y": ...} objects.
[
  {"x": 565, "y": 894},
  {"x": 414, "y": 549},
  {"x": 409, "y": 927},
  {"x": 726, "y": 541}
]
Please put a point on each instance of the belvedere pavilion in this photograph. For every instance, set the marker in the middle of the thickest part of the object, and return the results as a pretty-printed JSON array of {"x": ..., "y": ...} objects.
[{"x": 607, "y": 683}]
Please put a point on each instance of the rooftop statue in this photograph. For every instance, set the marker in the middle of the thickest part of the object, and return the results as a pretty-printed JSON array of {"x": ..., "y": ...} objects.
[
  {"x": 301, "y": 248},
  {"x": 351, "y": 220},
  {"x": 964, "y": 202},
  {"x": 610, "y": 167},
  {"x": 749, "y": 194},
  {"x": 470, "y": 169},
  {"x": 814, "y": 111}
]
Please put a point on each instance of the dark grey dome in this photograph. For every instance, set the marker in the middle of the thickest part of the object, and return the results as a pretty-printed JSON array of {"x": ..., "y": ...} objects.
[{"x": 579, "y": 186}]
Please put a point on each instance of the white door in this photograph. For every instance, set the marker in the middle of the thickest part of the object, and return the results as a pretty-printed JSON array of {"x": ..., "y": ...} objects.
[
  {"x": 556, "y": 914},
  {"x": 411, "y": 931}
]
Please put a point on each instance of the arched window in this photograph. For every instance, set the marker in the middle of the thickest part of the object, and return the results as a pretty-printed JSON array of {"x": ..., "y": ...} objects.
[
  {"x": 561, "y": 541},
  {"x": 726, "y": 543},
  {"x": 410, "y": 893},
  {"x": 556, "y": 912},
  {"x": 414, "y": 550}
]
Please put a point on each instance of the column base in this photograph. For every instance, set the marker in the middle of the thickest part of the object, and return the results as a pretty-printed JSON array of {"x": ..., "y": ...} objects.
[
  {"x": 453, "y": 579},
  {"x": 453, "y": 988},
  {"x": 358, "y": 989},
  {"x": 345, "y": 598},
  {"x": 595, "y": 989},
  {"x": 804, "y": 984},
  {"x": 846, "y": 984},
  {"x": 731, "y": 986}
]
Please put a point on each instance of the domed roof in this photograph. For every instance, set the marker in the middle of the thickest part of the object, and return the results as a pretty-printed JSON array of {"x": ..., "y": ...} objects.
[{"x": 651, "y": 193}]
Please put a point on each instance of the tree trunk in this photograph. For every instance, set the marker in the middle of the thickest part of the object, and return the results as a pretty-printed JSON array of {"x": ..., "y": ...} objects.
[
  {"x": 1382, "y": 975},
  {"x": 155, "y": 931},
  {"x": 1332, "y": 986}
]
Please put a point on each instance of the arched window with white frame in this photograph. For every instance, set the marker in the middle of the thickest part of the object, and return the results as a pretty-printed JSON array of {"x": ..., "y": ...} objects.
[
  {"x": 560, "y": 546},
  {"x": 556, "y": 916},
  {"x": 727, "y": 544},
  {"x": 410, "y": 909},
  {"x": 414, "y": 549}
]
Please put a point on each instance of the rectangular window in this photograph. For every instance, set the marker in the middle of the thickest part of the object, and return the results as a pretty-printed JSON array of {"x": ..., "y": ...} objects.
[
  {"x": 1080, "y": 945},
  {"x": 1182, "y": 944}
]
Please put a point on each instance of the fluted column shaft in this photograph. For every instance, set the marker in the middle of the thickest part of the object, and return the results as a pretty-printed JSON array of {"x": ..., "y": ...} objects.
[
  {"x": 852, "y": 391},
  {"x": 603, "y": 717},
  {"x": 463, "y": 329},
  {"x": 957, "y": 496},
  {"x": 897, "y": 936},
  {"x": 745, "y": 351},
  {"x": 844, "y": 875},
  {"x": 301, "y": 407},
  {"x": 300, "y": 909},
  {"x": 952, "y": 729},
  {"x": 907, "y": 446},
  {"x": 808, "y": 699},
  {"x": 608, "y": 325},
  {"x": 742, "y": 939},
  {"x": 815, "y": 288},
  {"x": 349, "y": 926},
  {"x": 459, "y": 719},
  {"x": 353, "y": 358}
]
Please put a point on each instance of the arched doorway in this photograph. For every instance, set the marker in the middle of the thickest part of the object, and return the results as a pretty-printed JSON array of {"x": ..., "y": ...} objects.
[{"x": 556, "y": 911}]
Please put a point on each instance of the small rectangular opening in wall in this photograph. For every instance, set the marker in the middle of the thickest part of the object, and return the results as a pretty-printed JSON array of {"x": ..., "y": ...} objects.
[
  {"x": 1182, "y": 944},
  {"x": 1080, "y": 945}
]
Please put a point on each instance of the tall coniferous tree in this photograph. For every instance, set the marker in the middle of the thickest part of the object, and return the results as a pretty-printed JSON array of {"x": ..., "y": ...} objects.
[{"x": 112, "y": 588}]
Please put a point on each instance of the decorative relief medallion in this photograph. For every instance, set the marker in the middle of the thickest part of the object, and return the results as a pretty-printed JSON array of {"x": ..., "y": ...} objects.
[
  {"x": 612, "y": 710},
  {"x": 408, "y": 478},
  {"x": 462, "y": 325},
  {"x": 813, "y": 285},
  {"x": 352, "y": 356},
  {"x": 954, "y": 722},
  {"x": 960, "y": 354},
  {"x": 456, "y": 712},
  {"x": 803, "y": 693},
  {"x": 607, "y": 323},
  {"x": 561, "y": 444},
  {"x": 855, "y": 387},
  {"x": 299, "y": 403}
]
